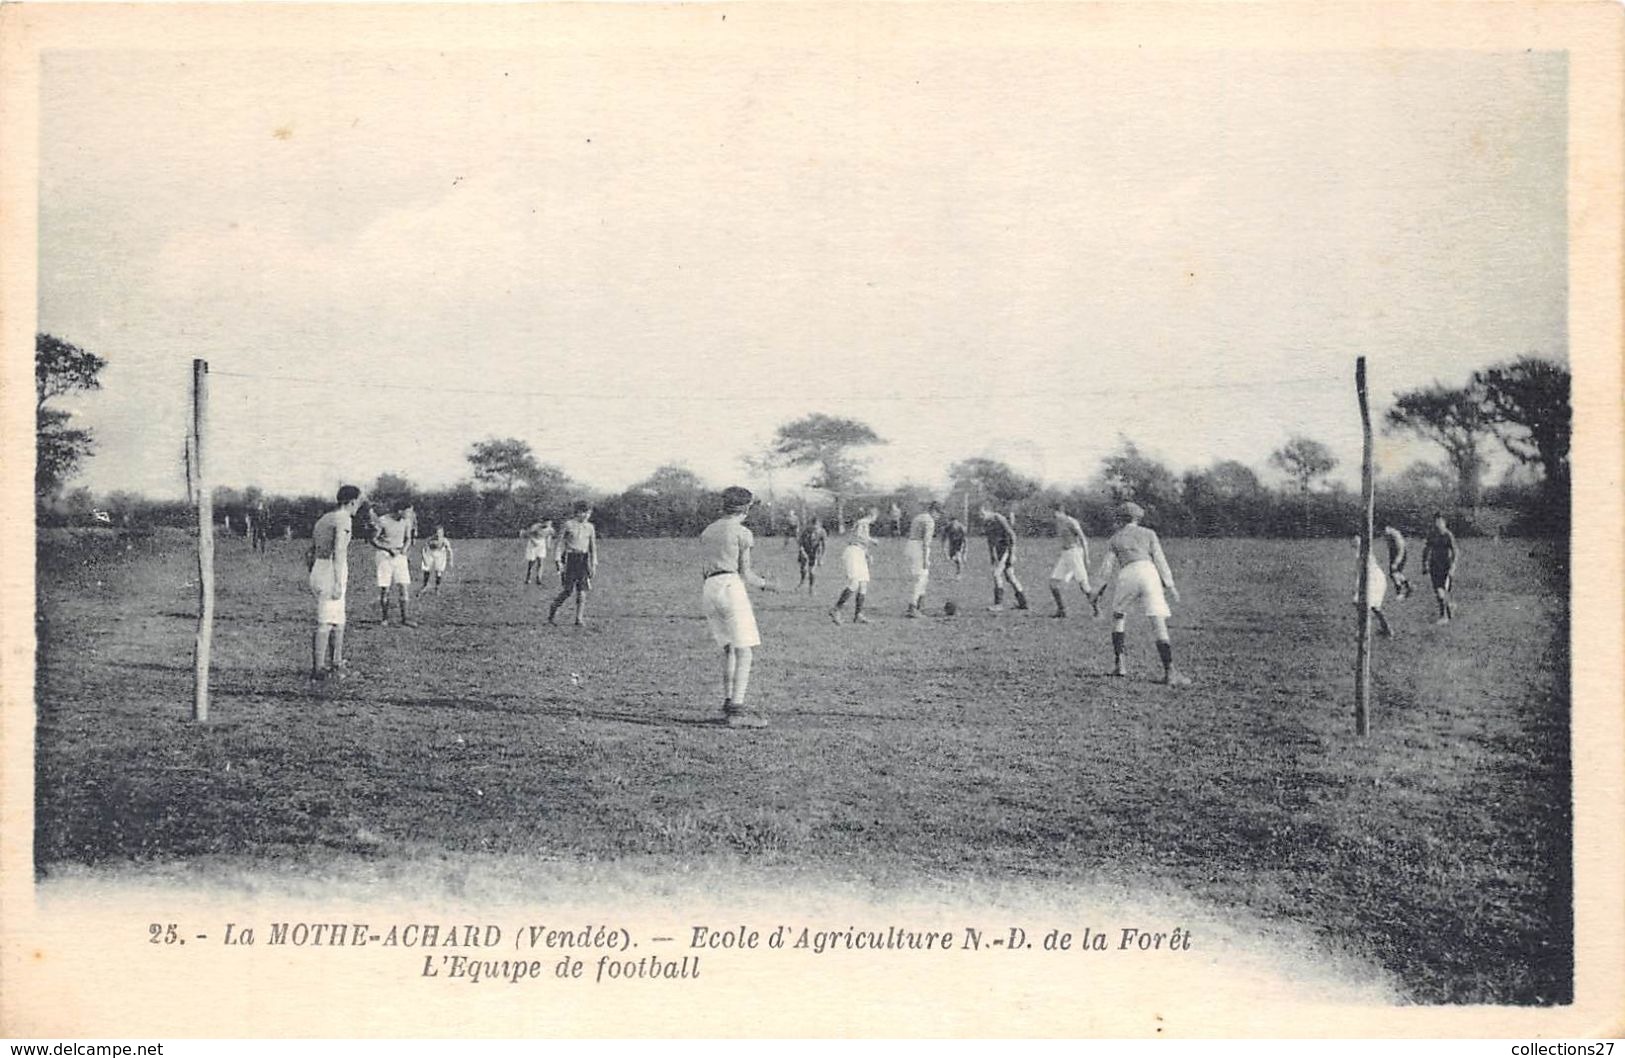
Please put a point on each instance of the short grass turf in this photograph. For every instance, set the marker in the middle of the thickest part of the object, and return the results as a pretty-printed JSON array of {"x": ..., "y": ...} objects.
[{"x": 980, "y": 746}]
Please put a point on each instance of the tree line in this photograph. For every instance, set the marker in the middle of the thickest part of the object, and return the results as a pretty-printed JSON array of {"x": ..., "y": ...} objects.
[{"x": 1522, "y": 405}]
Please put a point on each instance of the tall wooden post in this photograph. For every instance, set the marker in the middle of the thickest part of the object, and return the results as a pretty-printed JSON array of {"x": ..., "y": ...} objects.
[
  {"x": 1362, "y": 660},
  {"x": 205, "y": 540}
]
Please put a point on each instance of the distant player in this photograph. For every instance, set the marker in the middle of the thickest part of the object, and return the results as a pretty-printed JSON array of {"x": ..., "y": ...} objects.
[
  {"x": 391, "y": 540},
  {"x": 1395, "y": 540},
  {"x": 329, "y": 576},
  {"x": 725, "y": 547},
  {"x": 259, "y": 529},
  {"x": 1142, "y": 575},
  {"x": 896, "y": 519},
  {"x": 810, "y": 547},
  {"x": 1439, "y": 563},
  {"x": 538, "y": 542},
  {"x": 577, "y": 561},
  {"x": 855, "y": 562},
  {"x": 1073, "y": 563},
  {"x": 955, "y": 535},
  {"x": 437, "y": 557},
  {"x": 1001, "y": 551},
  {"x": 1376, "y": 588},
  {"x": 922, "y": 529}
]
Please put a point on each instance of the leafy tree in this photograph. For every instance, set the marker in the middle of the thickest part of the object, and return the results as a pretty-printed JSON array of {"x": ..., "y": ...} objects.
[
  {"x": 1303, "y": 459},
  {"x": 1425, "y": 478},
  {"x": 1226, "y": 499},
  {"x": 504, "y": 464},
  {"x": 1526, "y": 404},
  {"x": 992, "y": 480},
  {"x": 390, "y": 489},
  {"x": 1130, "y": 474},
  {"x": 1455, "y": 420},
  {"x": 60, "y": 368},
  {"x": 670, "y": 480},
  {"x": 825, "y": 443},
  {"x": 1231, "y": 480}
]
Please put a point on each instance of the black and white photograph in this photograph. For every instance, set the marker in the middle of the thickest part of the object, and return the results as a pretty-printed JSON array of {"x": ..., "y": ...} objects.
[{"x": 813, "y": 520}]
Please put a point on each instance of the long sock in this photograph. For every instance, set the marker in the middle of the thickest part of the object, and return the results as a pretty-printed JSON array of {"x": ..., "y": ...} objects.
[
  {"x": 1165, "y": 651},
  {"x": 1119, "y": 644},
  {"x": 1021, "y": 599},
  {"x": 846, "y": 593},
  {"x": 404, "y": 616},
  {"x": 1060, "y": 604},
  {"x": 998, "y": 596},
  {"x": 857, "y": 605}
]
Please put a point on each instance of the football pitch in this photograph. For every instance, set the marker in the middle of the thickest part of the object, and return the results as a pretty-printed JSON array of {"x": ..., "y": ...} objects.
[{"x": 985, "y": 747}]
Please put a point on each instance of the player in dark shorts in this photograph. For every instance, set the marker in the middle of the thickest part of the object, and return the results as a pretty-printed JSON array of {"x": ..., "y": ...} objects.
[
  {"x": 1396, "y": 560},
  {"x": 1001, "y": 551},
  {"x": 1439, "y": 563},
  {"x": 577, "y": 561},
  {"x": 954, "y": 532},
  {"x": 810, "y": 545}
]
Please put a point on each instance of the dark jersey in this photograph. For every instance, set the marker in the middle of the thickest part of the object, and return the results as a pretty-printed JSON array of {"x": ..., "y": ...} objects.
[
  {"x": 812, "y": 540},
  {"x": 1001, "y": 536},
  {"x": 1439, "y": 553},
  {"x": 955, "y": 535}
]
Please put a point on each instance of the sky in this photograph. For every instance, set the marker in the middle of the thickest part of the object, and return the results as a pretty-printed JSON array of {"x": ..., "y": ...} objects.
[{"x": 631, "y": 257}]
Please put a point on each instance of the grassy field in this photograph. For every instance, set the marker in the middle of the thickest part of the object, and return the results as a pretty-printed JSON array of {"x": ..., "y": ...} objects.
[{"x": 987, "y": 747}]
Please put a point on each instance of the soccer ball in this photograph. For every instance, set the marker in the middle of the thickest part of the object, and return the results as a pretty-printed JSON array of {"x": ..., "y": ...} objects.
[{"x": 950, "y": 608}]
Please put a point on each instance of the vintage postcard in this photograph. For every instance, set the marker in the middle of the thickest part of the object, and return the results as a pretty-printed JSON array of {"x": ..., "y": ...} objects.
[{"x": 746, "y": 519}]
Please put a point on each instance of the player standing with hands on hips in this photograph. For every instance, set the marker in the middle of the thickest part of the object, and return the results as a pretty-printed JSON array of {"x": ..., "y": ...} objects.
[
  {"x": 1142, "y": 573},
  {"x": 726, "y": 572}
]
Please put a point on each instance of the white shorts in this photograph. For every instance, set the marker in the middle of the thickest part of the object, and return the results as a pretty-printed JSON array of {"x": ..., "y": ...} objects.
[
  {"x": 535, "y": 552},
  {"x": 855, "y": 561},
  {"x": 434, "y": 562},
  {"x": 1071, "y": 566},
  {"x": 914, "y": 551},
  {"x": 1140, "y": 589},
  {"x": 1376, "y": 588},
  {"x": 393, "y": 570},
  {"x": 329, "y": 611},
  {"x": 728, "y": 612}
]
